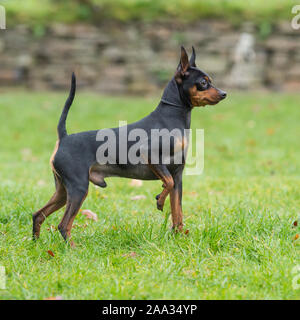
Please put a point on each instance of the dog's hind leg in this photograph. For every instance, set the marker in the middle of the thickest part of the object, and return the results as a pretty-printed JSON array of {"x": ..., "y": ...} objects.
[
  {"x": 75, "y": 197},
  {"x": 57, "y": 201}
]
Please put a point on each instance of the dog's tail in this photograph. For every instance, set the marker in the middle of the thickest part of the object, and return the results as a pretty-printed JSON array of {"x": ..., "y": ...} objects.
[{"x": 61, "y": 128}]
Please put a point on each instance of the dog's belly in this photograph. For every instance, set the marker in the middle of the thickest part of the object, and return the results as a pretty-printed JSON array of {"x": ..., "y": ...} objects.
[{"x": 139, "y": 171}]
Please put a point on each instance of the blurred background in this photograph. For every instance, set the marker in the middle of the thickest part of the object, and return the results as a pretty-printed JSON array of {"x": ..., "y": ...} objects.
[{"x": 132, "y": 46}]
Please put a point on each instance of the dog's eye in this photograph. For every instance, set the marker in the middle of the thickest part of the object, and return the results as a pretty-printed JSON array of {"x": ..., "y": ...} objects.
[
  {"x": 201, "y": 85},
  {"x": 203, "y": 82}
]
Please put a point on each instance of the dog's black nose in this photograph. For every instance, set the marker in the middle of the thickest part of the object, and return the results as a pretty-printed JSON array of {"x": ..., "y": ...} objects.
[{"x": 223, "y": 94}]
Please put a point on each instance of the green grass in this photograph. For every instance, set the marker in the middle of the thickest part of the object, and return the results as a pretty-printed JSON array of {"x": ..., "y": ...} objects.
[
  {"x": 99, "y": 11},
  {"x": 240, "y": 212}
]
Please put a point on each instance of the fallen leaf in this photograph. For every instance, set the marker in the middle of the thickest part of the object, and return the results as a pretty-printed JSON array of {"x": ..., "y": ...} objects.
[
  {"x": 72, "y": 244},
  {"x": 219, "y": 116},
  {"x": 186, "y": 232},
  {"x": 76, "y": 225},
  {"x": 270, "y": 131},
  {"x": 251, "y": 124},
  {"x": 54, "y": 298},
  {"x": 41, "y": 183},
  {"x": 136, "y": 183},
  {"x": 50, "y": 253},
  {"x": 296, "y": 237},
  {"x": 27, "y": 155},
  {"x": 90, "y": 214},
  {"x": 222, "y": 148},
  {"x": 190, "y": 272},
  {"x": 129, "y": 255},
  {"x": 251, "y": 142},
  {"x": 46, "y": 105},
  {"x": 191, "y": 193},
  {"x": 26, "y": 152},
  {"x": 272, "y": 106},
  {"x": 256, "y": 108},
  {"x": 138, "y": 197},
  {"x": 52, "y": 228},
  {"x": 295, "y": 224},
  {"x": 215, "y": 192}
]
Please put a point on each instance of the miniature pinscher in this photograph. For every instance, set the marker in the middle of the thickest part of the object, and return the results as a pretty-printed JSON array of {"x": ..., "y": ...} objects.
[{"x": 74, "y": 161}]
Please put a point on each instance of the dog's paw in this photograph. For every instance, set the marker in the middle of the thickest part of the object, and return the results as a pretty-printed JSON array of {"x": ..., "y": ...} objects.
[
  {"x": 160, "y": 204},
  {"x": 179, "y": 228}
]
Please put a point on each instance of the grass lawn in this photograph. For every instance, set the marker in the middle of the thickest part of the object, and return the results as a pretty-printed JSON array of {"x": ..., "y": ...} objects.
[{"x": 240, "y": 212}]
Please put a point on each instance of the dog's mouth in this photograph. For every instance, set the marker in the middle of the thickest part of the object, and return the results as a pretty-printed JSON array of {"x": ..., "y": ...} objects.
[
  {"x": 222, "y": 95},
  {"x": 211, "y": 102}
]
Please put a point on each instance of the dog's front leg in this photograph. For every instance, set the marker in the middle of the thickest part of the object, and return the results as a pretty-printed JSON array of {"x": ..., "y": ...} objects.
[
  {"x": 176, "y": 199},
  {"x": 162, "y": 172}
]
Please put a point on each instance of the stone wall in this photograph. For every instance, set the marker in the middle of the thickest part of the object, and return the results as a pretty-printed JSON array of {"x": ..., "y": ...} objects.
[{"x": 139, "y": 59}]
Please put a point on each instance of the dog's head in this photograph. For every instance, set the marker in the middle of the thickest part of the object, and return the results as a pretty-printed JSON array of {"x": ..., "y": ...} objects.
[{"x": 196, "y": 84}]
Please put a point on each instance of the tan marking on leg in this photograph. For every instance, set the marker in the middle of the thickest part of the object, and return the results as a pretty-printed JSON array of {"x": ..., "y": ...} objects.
[
  {"x": 168, "y": 184},
  {"x": 57, "y": 201},
  {"x": 176, "y": 209},
  {"x": 53, "y": 156}
]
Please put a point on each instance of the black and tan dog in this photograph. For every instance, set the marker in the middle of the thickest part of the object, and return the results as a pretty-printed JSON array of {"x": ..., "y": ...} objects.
[{"x": 74, "y": 162}]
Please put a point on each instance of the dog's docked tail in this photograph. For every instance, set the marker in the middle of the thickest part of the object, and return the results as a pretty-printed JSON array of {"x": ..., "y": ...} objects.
[{"x": 61, "y": 128}]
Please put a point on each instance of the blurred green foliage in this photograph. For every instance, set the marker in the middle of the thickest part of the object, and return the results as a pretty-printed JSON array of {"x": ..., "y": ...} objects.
[{"x": 44, "y": 12}]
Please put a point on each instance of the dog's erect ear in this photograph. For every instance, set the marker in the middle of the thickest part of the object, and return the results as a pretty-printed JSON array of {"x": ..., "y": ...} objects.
[
  {"x": 193, "y": 58},
  {"x": 184, "y": 60},
  {"x": 183, "y": 66}
]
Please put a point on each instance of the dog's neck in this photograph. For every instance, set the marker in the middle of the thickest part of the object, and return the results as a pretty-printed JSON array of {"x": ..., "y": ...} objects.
[
  {"x": 173, "y": 100},
  {"x": 173, "y": 95}
]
